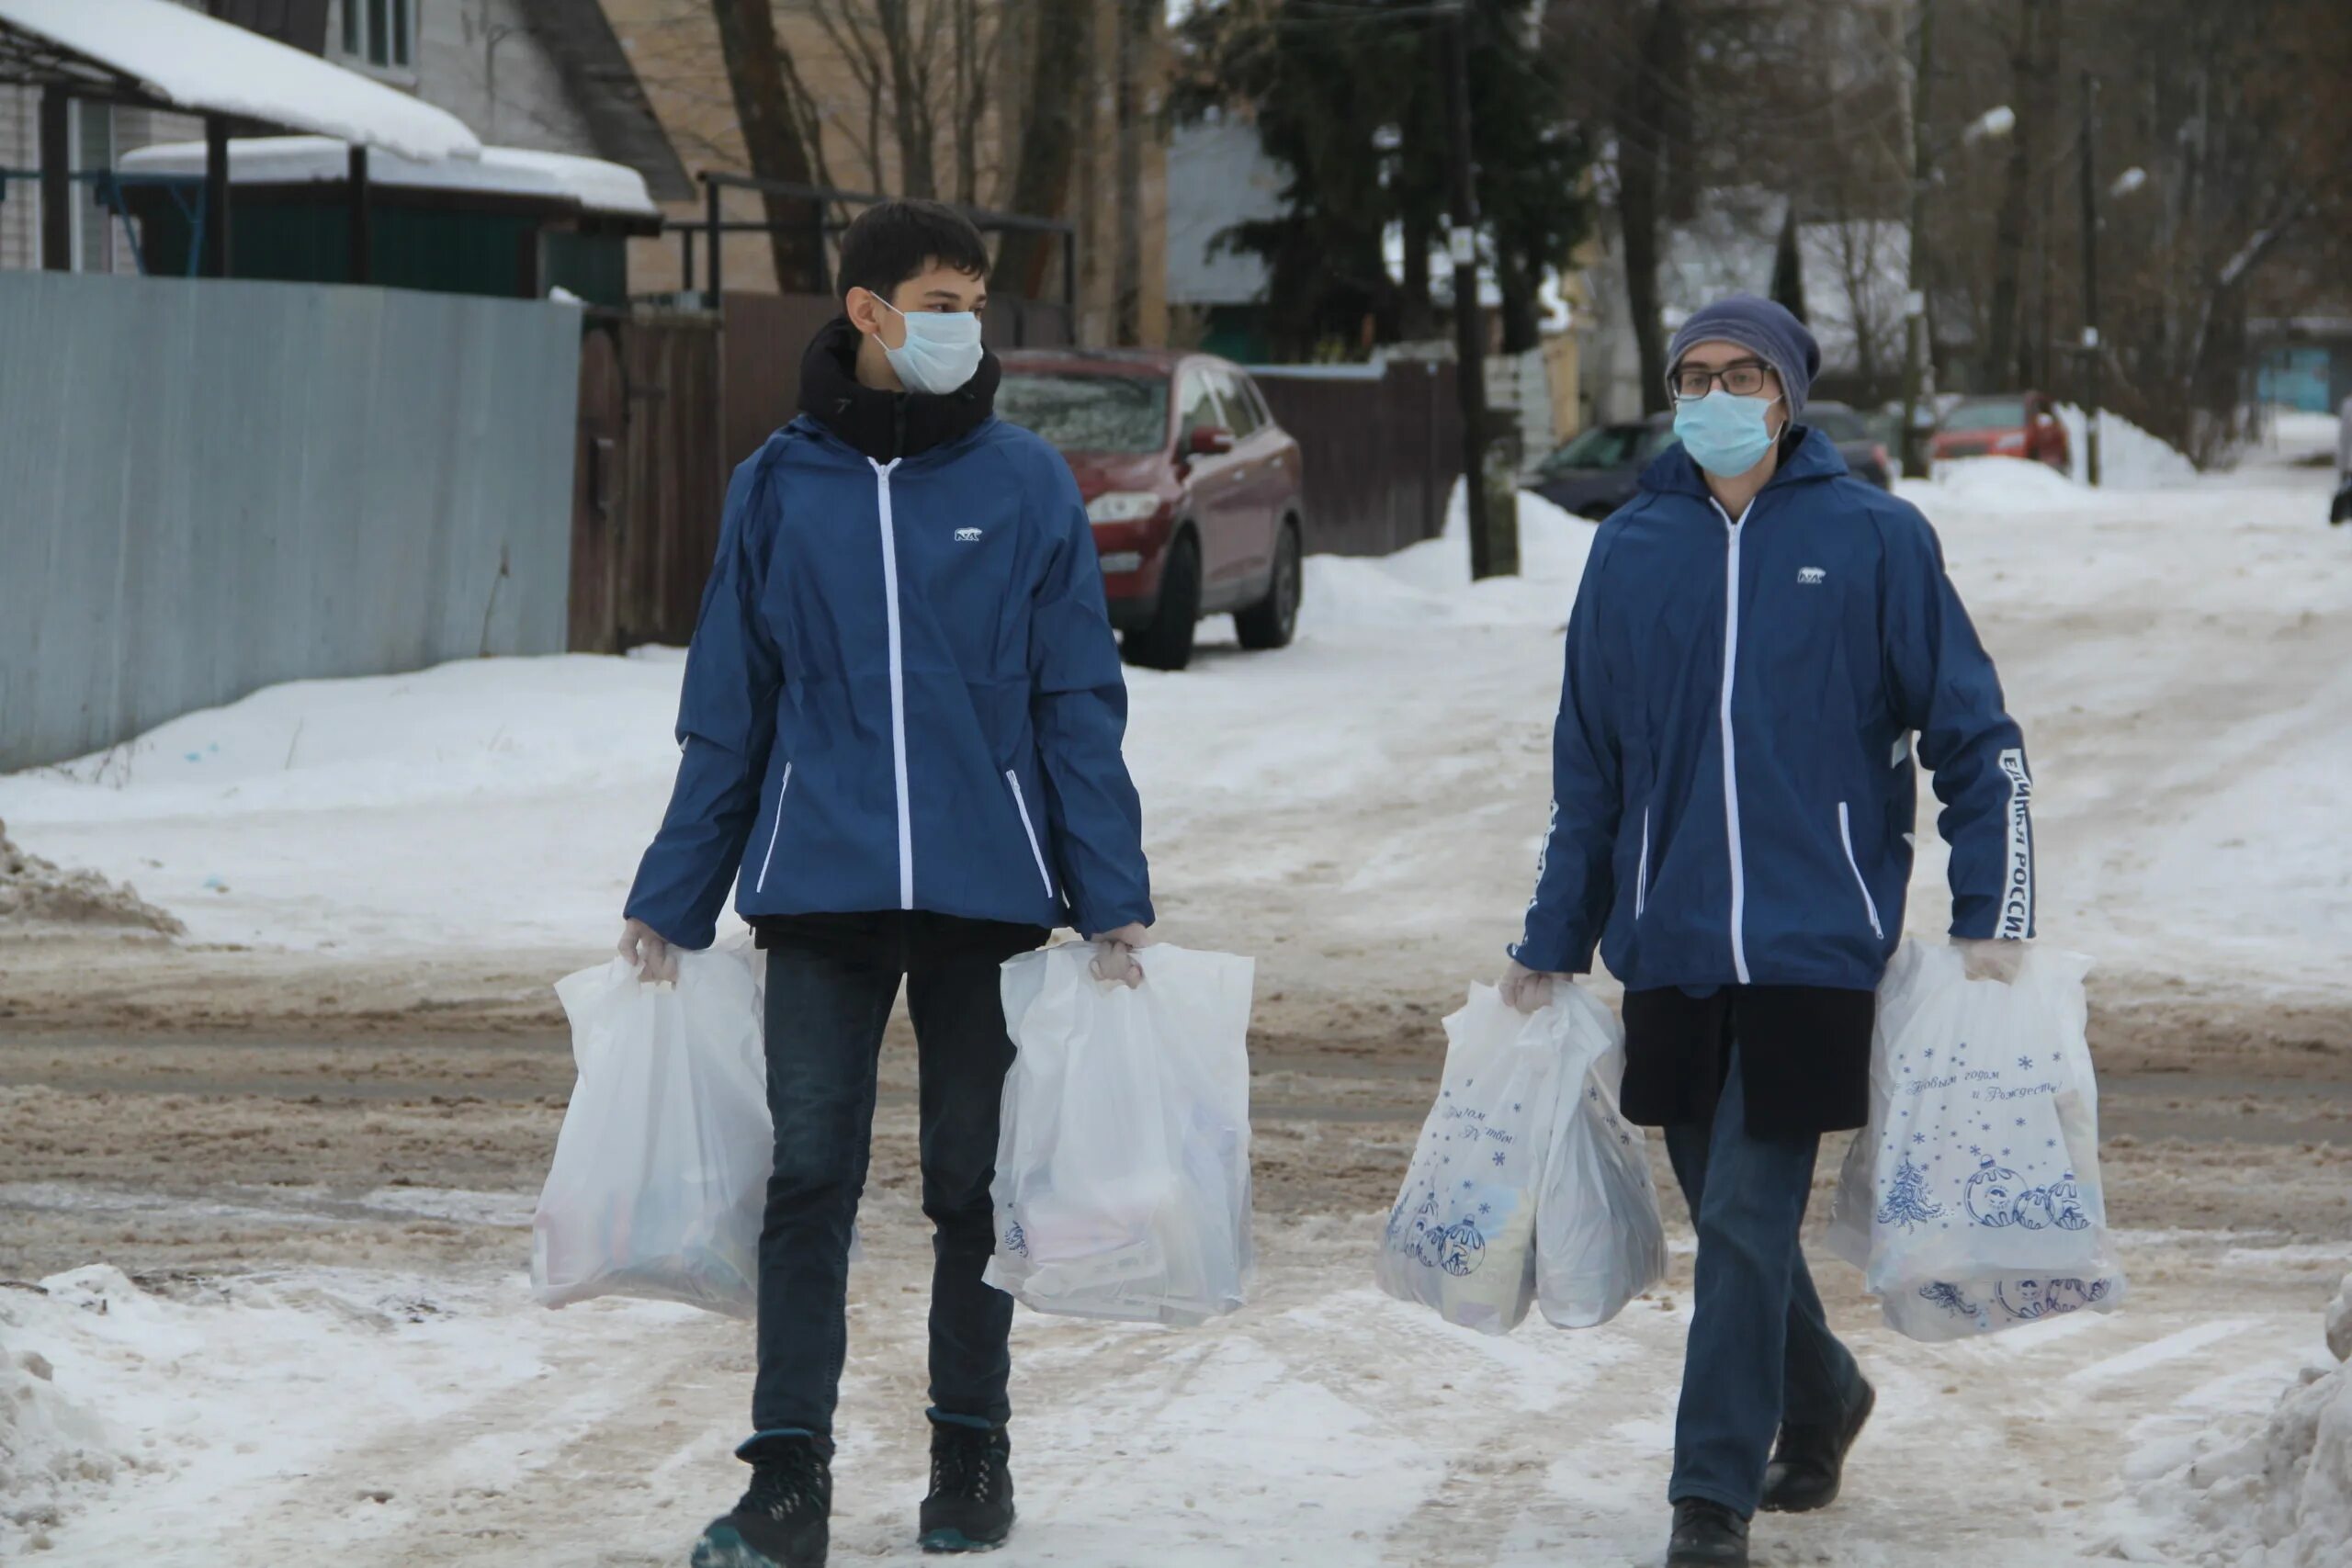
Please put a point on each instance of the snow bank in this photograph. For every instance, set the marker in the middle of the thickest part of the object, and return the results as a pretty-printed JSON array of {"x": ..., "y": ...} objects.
[
  {"x": 2293, "y": 434},
  {"x": 35, "y": 893},
  {"x": 1429, "y": 583},
  {"x": 55, "y": 1450},
  {"x": 2129, "y": 458},
  {"x": 2280, "y": 1498},
  {"x": 1995, "y": 484}
]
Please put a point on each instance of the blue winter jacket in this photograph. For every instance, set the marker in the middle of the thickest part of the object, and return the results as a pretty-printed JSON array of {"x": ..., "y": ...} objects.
[
  {"x": 1732, "y": 788},
  {"x": 902, "y": 694}
]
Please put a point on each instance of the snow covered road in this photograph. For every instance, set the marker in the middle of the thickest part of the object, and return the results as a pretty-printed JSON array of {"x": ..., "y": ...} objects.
[
  {"x": 322, "y": 1361},
  {"x": 370, "y": 1417}
]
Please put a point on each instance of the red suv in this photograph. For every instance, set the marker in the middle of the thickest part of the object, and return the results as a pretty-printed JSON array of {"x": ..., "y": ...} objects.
[
  {"x": 2011, "y": 424},
  {"x": 1193, "y": 489}
]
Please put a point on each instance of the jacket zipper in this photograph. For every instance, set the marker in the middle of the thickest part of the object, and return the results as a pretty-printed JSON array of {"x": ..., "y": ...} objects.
[
  {"x": 1642, "y": 877},
  {"x": 897, "y": 681},
  {"x": 1731, "y": 774},
  {"x": 1020, "y": 804},
  {"x": 777, "y": 827},
  {"x": 1845, "y": 836}
]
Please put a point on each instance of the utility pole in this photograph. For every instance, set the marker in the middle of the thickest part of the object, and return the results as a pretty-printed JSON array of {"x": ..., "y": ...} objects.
[
  {"x": 1494, "y": 520},
  {"x": 1915, "y": 306},
  {"x": 2090, "y": 277}
]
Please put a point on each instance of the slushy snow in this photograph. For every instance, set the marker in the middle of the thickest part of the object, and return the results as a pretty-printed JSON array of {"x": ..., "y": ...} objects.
[{"x": 2280, "y": 1498}]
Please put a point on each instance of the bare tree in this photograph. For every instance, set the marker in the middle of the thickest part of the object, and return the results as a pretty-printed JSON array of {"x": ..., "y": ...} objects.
[
  {"x": 1135, "y": 39},
  {"x": 2034, "y": 68},
  {"x": 1060, "y": 34},
  {"x": 772, "y": 140}
]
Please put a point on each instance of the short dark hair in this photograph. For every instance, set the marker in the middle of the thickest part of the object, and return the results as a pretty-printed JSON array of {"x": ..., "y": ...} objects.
[{"x": 894, "y": 240}]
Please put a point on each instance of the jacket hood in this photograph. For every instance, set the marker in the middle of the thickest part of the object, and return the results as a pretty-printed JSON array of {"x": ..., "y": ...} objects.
[
  {"x": 885, "y": 426},
  {"x": 1805, "y": 454}
]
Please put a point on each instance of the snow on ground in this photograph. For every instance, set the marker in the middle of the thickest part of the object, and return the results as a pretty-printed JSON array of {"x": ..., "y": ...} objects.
[
  {"x": 366, "y": 1417},
  {"x": 2181, "y": 660},
  {"x": 1362, "y": 812},
  {"x": 2278, "y": 1498}
]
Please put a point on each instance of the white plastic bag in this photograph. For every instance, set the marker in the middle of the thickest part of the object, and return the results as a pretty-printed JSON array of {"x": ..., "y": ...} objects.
[
  {"x": 1122, "y": 1184},
  {"x": 1462, "y": 1236},
  {"x": 1971, "y": 1202},
  {"x": 660, "y": 1170},
  {"x": 1598, "y": 1240}
]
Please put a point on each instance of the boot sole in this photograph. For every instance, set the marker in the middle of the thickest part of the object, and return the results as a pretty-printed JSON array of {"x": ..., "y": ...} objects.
[
  {"x": 955, "y": 1542},
  {"x": 721, "y": 1547},
  {"x": 1853, "y": 1435}
]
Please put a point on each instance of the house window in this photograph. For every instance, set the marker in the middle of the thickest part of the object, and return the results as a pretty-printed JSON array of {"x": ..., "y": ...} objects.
[{"x": 380, "y": 33}]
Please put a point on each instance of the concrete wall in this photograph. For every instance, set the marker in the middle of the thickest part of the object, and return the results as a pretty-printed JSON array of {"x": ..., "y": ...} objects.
[{"x": 210, "y": 486}]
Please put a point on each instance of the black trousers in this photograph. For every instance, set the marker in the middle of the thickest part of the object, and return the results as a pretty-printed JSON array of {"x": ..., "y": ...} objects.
[{"x": 831, "y": 981}]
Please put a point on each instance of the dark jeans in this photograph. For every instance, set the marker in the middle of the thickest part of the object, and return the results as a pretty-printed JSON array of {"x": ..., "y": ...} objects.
[
  {"x": 831, "y": 980},
  {"x": 1760, "y": 1349}
]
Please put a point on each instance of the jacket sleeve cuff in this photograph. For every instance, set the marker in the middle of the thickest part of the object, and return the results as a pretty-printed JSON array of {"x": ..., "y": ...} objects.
[
  {"x": 1979, "y": 919},
  {"x": 1553, "y": 952}
]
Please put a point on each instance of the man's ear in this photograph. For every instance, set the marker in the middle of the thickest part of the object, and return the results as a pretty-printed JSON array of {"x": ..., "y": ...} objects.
[{"x": 864, "y": 310}]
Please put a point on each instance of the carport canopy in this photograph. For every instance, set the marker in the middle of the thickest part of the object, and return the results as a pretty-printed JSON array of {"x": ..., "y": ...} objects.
[{"x": 157, "y": 54}]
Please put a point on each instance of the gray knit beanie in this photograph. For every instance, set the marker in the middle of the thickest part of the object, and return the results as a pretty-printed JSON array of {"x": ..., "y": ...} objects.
[{"x": 1765, "y": 328}]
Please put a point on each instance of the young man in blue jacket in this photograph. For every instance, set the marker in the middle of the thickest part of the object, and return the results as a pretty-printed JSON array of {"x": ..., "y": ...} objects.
[
  {"x": 901, "y": 724},
  {"x": 1756, "y": 639}
]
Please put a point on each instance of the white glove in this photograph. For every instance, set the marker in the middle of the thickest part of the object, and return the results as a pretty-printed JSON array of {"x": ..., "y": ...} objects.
[
  {"x": 1527, "y": 990},
  {"x": 1994, "y": 960},
  {"x": 648, "y": 952},
  {"x": 1115, "y": 958}
]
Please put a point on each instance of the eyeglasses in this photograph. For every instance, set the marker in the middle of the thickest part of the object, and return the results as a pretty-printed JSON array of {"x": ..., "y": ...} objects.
[{"x": 1745, "y": 379}]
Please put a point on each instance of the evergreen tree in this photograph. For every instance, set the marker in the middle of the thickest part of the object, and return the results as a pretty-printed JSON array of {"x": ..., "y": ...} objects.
[{"x": 1348, "y": 96}]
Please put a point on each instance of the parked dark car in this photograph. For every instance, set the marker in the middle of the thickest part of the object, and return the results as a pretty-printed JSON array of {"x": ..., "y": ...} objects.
[
  {"x": 2008, "y": 424},
  {"x": 1598, "y": 471},
  {"x": 1193, "y": 489}
]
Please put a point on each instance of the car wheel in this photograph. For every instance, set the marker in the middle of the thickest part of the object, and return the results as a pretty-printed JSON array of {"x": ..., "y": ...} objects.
[
  {"x": 1273, "y": 620},
  {"x": 1166, "y": 641}
]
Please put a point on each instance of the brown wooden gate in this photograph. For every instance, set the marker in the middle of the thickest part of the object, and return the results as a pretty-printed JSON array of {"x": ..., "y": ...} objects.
[
  {"x": 649, "y": 479},
  {"x": 1383, "y": 446}
]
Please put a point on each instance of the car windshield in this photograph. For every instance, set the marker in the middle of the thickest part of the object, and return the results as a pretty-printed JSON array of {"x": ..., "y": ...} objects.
[
  {"x": 1602, "y": 446},
  {"x": 1991, "y": 414},
  {"x": 1078, "y": 412},
  {"x": 1836, "y": 424}
]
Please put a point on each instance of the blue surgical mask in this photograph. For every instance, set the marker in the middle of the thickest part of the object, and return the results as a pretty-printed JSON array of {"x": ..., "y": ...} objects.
[
  {"x": 942, "y": 350},
  {"x": 1725, "y": 435}
]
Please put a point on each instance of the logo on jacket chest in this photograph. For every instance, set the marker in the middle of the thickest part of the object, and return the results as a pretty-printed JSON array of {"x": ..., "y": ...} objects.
[
  {"x": 1812, "y": 576},
  {"x": 968, "y": 535}
]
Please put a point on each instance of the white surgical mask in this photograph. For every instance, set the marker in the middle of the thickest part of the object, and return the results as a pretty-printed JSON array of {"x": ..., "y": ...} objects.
[{"x": 942, "y": 351}]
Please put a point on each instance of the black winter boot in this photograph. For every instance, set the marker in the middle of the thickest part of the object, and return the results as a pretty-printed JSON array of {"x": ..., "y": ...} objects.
[
  {"x": 1706, "y": 1535},
  {"x": 1809, "y": 1461},
  {"x": 783, "y": 1518},
  {"x": 970, "y": 1506}
]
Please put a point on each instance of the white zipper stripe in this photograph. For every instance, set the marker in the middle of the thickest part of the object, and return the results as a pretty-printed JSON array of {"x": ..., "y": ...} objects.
[
  {"x": 897, "y": 682},
  {"x": 1020, "y": 804},
  {"x": 1642, "y": 877},
  {"x": 1846, "y": 835},
  {"x": 1731, "y": 775},
  {"x": 761, "y": 886}
]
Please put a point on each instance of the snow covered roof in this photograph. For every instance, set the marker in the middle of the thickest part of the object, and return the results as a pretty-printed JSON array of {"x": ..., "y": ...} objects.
[
  {"x": 187, "y": 59},
  {"x": 590, "y": 183}
]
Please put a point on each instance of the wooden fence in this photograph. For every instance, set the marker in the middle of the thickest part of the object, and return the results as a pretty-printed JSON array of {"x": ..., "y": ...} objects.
[
  {"x": 1383, "y": 445},
  {"x": 649, "y": 477}
]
